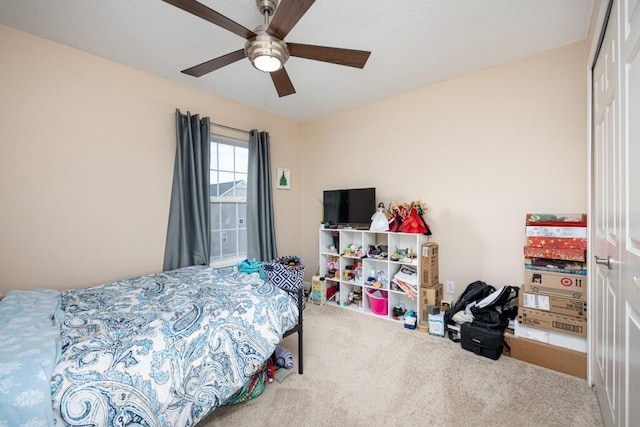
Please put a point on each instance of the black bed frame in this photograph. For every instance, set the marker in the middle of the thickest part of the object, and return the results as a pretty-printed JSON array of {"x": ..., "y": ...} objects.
[{"x": 298, "y": 329}]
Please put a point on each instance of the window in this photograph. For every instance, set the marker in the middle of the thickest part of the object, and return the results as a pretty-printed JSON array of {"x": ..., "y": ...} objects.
[{"x": 228, "y": 194}]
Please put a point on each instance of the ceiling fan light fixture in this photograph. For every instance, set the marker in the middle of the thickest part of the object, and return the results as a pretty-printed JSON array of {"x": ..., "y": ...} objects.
[
  {"x": 267, "y": 63},
  {"x": 266, "y": 53}
]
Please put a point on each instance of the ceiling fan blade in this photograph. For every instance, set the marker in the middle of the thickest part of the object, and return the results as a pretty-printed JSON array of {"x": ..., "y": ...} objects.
[
  {"x": 287, "y": 16},
  {"x": 214, "y": 64},
  {"x": 208, "y": 14},
  {"x": 335, "y": 55},
  {"x": 282, "y": 82}
]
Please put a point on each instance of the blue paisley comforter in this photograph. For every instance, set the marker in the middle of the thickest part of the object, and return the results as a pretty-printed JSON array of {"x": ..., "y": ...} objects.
[{"x": 164, "y": 349}]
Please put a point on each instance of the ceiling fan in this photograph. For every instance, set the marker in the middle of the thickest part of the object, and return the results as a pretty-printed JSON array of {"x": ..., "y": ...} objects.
[{"x": 265, "y": 46}]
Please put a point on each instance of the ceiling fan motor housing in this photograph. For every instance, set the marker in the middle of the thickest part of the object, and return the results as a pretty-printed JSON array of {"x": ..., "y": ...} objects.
[
  {"x": 264, "y": 44},
  {"x": 267, "y": 6}
]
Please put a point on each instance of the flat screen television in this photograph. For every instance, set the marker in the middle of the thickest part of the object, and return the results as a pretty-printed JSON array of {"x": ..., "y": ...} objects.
[{"x": 352, "y": 207}]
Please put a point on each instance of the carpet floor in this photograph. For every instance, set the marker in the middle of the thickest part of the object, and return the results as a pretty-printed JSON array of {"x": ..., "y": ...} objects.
[{"x": 360, "y": 370}]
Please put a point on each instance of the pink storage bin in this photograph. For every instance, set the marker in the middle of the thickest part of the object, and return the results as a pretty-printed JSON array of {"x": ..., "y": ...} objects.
[{"x": 379, "y": 301}]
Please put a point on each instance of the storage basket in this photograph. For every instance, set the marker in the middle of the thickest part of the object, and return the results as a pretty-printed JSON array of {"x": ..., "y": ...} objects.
[
  {"x": 379, "y": 301},
  {"x": 286, "y": 272}
]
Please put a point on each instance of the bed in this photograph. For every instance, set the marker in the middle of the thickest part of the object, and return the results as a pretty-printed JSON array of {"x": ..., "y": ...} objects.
[{"x": 163, "y": 349}]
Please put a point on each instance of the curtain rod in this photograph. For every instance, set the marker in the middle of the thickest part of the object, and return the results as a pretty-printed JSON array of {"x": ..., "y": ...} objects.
[{"x": 230, "y": 128}]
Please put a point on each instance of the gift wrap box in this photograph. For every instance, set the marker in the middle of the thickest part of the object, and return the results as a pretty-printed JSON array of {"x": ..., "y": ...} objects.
[
  {"x": 557, "y": 242},
  {"x": 555, "y": 253},
  {"x": 556, "y": 265},
  {"x": 557, "y": 220},
  {"x": 571, "y": 232}
]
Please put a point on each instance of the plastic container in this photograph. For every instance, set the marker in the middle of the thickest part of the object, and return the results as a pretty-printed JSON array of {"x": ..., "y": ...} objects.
[{"x": 379, "y": 301}]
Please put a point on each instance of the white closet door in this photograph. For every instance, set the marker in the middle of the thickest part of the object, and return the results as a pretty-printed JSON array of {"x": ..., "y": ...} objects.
[
  {"x": 615, "y": 294},
  {"x": 630, "y": 183},
  {"x": 605, "y": 294}
]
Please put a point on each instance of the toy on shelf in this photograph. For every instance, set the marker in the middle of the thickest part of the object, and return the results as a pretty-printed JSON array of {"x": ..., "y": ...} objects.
[
  {"x": 399, "y": 311},
  {"x": 414, "y": 222},
  {"x": 353, "y": 273},
  {"x": 378, "y": 251},
  {"x": 406, "y": 255},
  {"x": 353, "y": 251},
  {"x": 350, "y": 250},
  {"x": 355, "y": 298},
  {"x": 332, "y": 249},
  {"x": 378, "y": 279},
  {"x": 379, "y": 220},
  {"x": 381, "y": 277},
  {"x": 333, "y": 265},
  {"x": 396, "y": 216},
  {"x": 408, "y": 218}
]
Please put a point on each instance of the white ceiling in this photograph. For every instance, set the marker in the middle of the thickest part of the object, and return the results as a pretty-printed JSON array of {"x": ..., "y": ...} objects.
[{"x": 414, "y": 43}]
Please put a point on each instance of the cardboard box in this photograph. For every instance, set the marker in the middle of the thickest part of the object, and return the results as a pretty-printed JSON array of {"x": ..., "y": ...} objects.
[
  {"x": 557, "y": 220},
  {"x": 559, "y": 359},
  {"x": 562, "y": 284},
  {"x": 555, "y": 253},
  {"x": 431, "y": 295},
  {"x": 556, "y": 265},
  {"x": 540, "y": 231},
  {"x": 557, "y": 242},
  {"x": 429, "y": 265},
  {"x": 548, "y": 337},
  {"x": 552, "y": 321},
  {"x": 552, "y": 303}
]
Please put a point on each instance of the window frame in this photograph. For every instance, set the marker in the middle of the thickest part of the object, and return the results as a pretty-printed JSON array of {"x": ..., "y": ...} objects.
[{"x": 239, "y": 223}]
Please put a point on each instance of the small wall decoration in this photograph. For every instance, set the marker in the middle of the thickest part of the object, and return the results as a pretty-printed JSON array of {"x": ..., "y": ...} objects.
[{"x": 283, "y": 179}]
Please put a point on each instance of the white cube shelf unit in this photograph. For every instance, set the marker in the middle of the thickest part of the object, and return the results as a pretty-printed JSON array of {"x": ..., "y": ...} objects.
[{"x": 335, "y": 255}]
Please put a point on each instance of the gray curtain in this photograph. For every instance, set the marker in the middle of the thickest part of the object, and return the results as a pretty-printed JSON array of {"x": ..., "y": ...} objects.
[
  {"x": 261, "y": 236},
  {"x": 189, "y": 229}
]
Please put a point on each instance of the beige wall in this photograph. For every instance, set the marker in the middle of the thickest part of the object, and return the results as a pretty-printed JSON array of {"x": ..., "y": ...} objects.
[
  {"x": 481, "y": 151},
  {"x": 87, "y": 145},
  {"x": 86, "y": 161}
]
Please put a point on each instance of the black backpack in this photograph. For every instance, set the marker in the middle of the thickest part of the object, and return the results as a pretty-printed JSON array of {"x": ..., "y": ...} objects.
[
  {"x": 475, "y": 291},
  {"x": 498, "y": 308},
  {"x": 493, "y": 308}
]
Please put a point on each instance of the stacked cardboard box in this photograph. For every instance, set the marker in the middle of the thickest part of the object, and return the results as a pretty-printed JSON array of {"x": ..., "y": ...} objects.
[
  {"x": 552, "y": 299},
  {"x": 553, "y": 296},
  {"x": 431, "y": 291}
]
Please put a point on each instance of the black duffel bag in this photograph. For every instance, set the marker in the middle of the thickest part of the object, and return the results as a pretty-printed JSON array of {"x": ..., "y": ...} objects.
[{"x": 482, "y": 339}]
